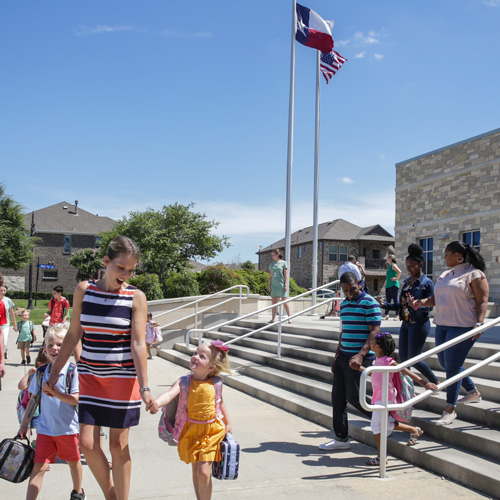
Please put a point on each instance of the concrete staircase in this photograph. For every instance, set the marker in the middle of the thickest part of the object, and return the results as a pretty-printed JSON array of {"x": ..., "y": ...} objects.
[{"x": 467, "y": 451}]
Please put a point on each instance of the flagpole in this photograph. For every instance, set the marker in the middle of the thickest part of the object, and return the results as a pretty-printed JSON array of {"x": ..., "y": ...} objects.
[
  {"x": 291, "y": 113},
  {"x": 316, "y": 184}
]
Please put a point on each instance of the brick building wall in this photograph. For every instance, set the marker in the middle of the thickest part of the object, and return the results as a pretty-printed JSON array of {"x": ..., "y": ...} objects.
[
  {"x": 50, "y": 249},
  {"x": 449, "y": 192}
]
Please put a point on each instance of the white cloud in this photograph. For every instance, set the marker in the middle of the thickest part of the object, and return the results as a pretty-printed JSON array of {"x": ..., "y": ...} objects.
[
  {"x": 369, "y": 39},
  {"x": 382, "y": 156},
  {"x": 345, "y": 180},
  {"x": 102, "y": 28},
  {"x": 180, "y": 34},
  {"x": 378, "y": 57},
  {"x": 492, "y": 3},
  {"x": 342, "y": 43},
  {"x": 361, "y": 55}
]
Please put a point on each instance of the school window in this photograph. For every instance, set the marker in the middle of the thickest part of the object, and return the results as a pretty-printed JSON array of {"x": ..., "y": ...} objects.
[
  {"x": 343, "y": 254},
  {"x": 98, "y": 240},
  {"x": 375, "y": 254},
  {"x": 427, "y": 245},
  {"x": 50, "y": 274},
  {"x": 333, "y": 254},
  {"x": 67, "y": 243},
  {"x": 300, "y": 252},
  {"x": 472, "y": 238}
]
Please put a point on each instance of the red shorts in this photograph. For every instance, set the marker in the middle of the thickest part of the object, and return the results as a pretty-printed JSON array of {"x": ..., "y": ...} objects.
[{"x": 66, "y": 448}]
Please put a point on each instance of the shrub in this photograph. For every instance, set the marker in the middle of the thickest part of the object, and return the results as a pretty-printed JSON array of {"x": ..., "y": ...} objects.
[
  {"x": 20, "y": 294},
  {"x": 182, "y": 285},
  {"x": 149, "y": 284},
  {"x": 216, "y": 278}
]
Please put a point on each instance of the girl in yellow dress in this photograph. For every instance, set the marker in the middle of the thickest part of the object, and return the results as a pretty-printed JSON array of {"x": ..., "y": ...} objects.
[{"x": 204, "y": 430}]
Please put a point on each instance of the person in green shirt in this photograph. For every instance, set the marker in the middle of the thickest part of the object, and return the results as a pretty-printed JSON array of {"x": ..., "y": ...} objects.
[
  {"x": 278, "y": 286},
  {"x": 392, "y": 286}
]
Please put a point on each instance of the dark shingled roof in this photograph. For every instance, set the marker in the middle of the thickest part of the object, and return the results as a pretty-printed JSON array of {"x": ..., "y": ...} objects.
[
  {"x": 338, "y": 229},
  {"x": 63, "y": 219}
]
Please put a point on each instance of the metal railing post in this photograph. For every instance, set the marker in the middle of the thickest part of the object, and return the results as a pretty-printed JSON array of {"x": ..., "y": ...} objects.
[
  {"x": 280, "y": 312},
  {"x": 384, "y": 423},
  {"x": 239, "y": 305},
  {"x": 196, "y": 315}
]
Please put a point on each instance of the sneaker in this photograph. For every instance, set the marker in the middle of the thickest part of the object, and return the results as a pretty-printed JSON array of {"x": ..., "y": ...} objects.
[
  {"x": 28, "y": 359},
  {"x": 472, "y": 397},
  {"x": 6, "y": 353},
  {"x": 334, "y": 445},
  {"x": 77, "y": 496},
  {"x": 23, "y": 362},
  {"x": 446, "y": 418}
]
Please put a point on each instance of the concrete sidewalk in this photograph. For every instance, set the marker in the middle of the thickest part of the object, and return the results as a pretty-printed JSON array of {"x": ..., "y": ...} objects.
[{"x": 279, "y": 456}]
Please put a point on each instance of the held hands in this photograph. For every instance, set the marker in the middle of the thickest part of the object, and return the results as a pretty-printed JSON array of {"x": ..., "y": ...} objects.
[
  {"x": 430, "y": 386},
  {"x": 50, "y": 391},
  {"x": 356, "y": 361},
  {"x": 150, "y": 402}
]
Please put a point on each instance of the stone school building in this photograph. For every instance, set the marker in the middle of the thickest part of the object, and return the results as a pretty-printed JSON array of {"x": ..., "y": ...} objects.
[
  {"x": 337, "y": 239},
  {"x": 452, "y": 193}
]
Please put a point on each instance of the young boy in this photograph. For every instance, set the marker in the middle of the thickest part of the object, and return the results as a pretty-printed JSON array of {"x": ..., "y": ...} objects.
[
  {"x": 58, "y": 306},
  {"x": 26, "y": 330},
  {"x": 57, "y": 431}
]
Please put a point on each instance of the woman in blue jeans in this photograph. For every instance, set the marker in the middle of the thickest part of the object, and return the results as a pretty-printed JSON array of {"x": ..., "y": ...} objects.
[
  {"x": 415, "y": 324},
  {"x": 461, "y": 300}
]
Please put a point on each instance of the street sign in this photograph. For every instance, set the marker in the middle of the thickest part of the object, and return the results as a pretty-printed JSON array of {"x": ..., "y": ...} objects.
[{"x": 46, "y": 266}]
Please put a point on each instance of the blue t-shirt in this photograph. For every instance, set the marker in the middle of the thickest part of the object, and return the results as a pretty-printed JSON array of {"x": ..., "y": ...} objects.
[
  {"x": 56, "y": 417},
  {"x": 357, "y": 316}
]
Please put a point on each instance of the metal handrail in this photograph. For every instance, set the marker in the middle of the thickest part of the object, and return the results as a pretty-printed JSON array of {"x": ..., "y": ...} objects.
[
  {"x": 385, "y": 407},
  {"x": 280, "y": 305},
  {"x": 206, "y": 297}
]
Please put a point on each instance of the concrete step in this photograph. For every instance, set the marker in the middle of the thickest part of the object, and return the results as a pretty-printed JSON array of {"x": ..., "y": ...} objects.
[{"x": 431, "y": 452}]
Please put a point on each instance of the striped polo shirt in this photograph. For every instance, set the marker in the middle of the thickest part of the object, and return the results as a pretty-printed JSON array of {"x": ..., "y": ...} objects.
[{"x": 357, "y": 316}]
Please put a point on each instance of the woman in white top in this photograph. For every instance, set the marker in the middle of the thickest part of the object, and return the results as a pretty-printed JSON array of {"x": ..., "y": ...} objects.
[{"x": 461, "y": 300}]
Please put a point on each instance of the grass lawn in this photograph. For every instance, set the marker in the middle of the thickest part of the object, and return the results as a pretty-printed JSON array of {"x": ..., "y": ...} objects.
[{"x": 37, "y": 314}]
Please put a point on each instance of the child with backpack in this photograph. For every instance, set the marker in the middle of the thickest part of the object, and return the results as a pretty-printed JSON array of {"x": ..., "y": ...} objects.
[
  {"x": 57, "y": 431},
  {"x": 201, "y": 428},
  {"x": 26, "y": 336},
  {"x": 384, "y": 348},
  {"x": 24, "y": 394}
]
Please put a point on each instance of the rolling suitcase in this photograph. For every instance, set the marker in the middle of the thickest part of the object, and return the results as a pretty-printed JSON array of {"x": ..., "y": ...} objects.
[
  {"x": 229, "y": 463},
  {"x": 16, "y": 460}
]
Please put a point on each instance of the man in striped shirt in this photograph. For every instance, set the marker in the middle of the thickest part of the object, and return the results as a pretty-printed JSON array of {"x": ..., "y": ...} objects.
[{"x": 361, "y": 316}]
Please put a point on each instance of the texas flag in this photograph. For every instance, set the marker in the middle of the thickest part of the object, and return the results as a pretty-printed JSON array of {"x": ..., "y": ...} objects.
[{"x": 313, "y": 31}]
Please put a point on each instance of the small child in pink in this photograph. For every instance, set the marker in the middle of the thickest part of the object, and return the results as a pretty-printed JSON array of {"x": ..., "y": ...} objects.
[
  {"x": 153, "y": 334},
  {"x": 384, "y": 348}
]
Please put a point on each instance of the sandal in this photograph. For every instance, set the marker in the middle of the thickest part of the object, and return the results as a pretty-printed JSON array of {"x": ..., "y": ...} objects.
[
  {"x": 414, "y": 437},
  {"x": 374, "y": 461}
]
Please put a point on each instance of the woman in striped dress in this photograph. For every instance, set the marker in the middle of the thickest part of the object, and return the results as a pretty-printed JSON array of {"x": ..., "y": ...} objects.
[{"x": 110, "y": 317}]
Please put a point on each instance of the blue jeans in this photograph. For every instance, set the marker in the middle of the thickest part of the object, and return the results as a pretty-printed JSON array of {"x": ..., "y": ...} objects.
[
  {"x": 453, "y": 358},
  {"x": 391, "y": 297},
  {"x": 412, "y": 337}
]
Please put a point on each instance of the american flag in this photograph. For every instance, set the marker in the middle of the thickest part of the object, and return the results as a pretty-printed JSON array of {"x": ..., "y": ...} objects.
[{"x": 330, "y": 63}]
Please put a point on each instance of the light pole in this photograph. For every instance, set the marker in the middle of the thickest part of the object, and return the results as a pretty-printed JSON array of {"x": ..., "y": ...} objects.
[{"x": 30, "y": 278}]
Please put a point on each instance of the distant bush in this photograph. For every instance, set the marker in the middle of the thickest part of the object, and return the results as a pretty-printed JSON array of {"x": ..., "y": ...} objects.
[
  {"x": 182, "y": 285},
  {"x": 149, "y": 284},
  {"x": 214, "y": 279},
  {"x": 19, "y": 294}
]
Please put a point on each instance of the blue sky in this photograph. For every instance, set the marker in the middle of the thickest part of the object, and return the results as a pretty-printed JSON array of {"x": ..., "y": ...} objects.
[{"x": 124, "y": 105}]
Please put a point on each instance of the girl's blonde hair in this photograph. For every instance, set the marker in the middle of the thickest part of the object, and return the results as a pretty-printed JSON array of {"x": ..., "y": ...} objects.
[
  {"x": 58, "y": 330},
  {"x": 393, "y": 258},
  {"x": 220, "y": 358}
]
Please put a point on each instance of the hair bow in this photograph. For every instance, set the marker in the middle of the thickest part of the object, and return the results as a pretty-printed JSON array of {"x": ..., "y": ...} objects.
[{"x": 218, "y": 344}]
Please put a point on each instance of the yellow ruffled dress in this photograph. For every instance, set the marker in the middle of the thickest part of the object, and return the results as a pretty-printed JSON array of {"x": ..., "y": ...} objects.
[{"x": 200, "y": 442}]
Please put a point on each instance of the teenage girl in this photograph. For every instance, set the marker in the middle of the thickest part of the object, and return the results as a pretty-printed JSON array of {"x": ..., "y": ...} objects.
[
  {"x": 202, "y": 433},
  {"x": 384, "y": 348}
]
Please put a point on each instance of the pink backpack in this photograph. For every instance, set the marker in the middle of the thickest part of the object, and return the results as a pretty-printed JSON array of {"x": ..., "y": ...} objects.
[{"x": 174, "y": 415}]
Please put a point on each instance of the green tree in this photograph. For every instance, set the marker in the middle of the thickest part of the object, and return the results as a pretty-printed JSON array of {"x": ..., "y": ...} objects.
[
  {"x": 87, "y": 263},
  {"x": 168, "y": 238},
  {"x": 16, "y": 245},
  {"x": 248, "y": 265},
  {"x": 214, "y": 279},
  {"x": 149, "y": 284}
]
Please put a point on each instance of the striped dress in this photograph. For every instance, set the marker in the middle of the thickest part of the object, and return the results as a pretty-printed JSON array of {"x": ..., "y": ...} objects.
[{"x": 109, "y": 389}]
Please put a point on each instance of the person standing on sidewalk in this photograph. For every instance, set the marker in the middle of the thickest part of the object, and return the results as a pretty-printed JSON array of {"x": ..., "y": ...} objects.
[
  {"x": 278, "y": 277},
  {"x": 361, "y": 316},
  {"x": 392, "y": 286},
  {"x": 9, "y": 314}
]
